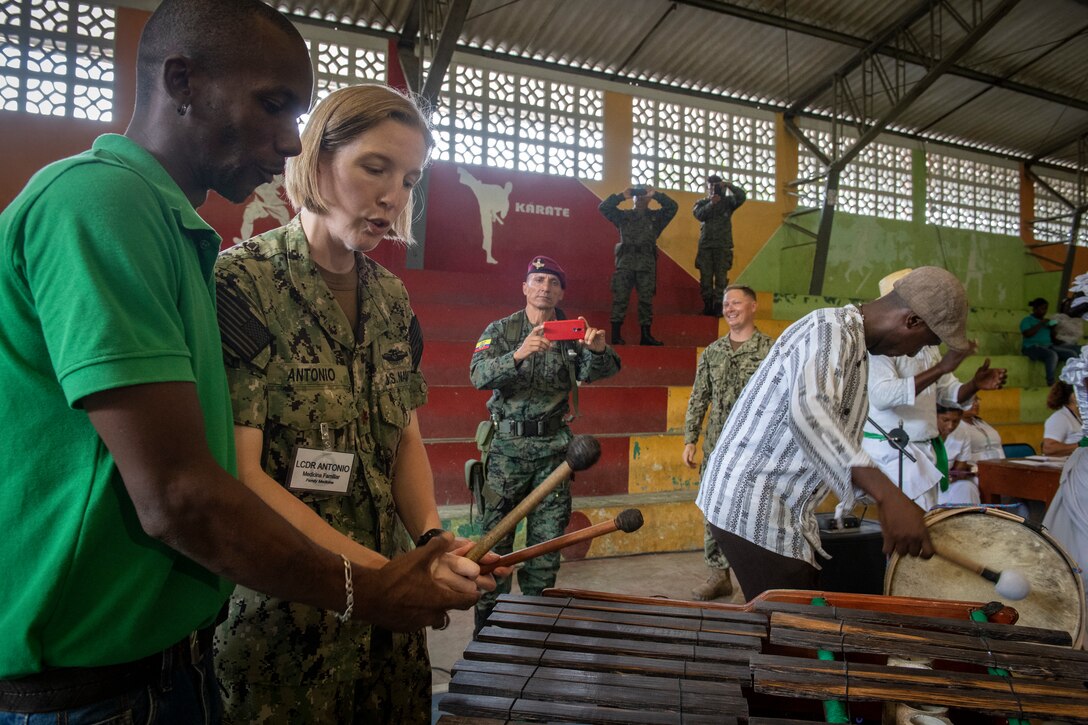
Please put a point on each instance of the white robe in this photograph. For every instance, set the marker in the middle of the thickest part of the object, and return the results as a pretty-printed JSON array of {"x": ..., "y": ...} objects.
[{"x": 1067, "y": 517}]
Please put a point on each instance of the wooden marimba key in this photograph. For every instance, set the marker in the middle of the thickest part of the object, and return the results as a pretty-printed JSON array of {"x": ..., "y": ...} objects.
[{"x": 586, "y": 660}]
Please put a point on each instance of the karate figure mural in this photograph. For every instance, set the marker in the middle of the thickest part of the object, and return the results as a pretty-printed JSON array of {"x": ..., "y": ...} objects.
[
  {"x": 266, "y": 202},
  {"x": 494, "y": 203}
]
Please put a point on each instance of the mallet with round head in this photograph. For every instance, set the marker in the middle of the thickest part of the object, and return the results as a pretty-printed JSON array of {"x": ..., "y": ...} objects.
[
  {"x": 582, "y": 453},
  {"x": 1010, "y": 583},
  {"x": 627, "y": 521}
]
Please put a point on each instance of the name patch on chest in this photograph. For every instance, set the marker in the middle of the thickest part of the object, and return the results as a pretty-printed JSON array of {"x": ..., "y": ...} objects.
[{"x": 308, "y": 374}]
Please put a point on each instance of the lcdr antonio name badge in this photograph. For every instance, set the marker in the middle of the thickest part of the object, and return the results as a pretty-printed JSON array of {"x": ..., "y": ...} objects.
[{"x": 321, "y": 471}]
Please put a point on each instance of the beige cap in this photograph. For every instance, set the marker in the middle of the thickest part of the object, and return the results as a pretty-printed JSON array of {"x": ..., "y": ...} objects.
[
  {"x": 935, "y": 295},
  {"x": 885, "y": 284}
]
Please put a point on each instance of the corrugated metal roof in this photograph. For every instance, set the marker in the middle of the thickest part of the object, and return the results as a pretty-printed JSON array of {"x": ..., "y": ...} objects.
[{"x": 742, "y": 49}]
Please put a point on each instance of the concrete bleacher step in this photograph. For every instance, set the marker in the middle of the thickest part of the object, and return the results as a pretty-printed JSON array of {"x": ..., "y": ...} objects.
[
  {"x": 453, "y": 411},
  {"x": 1023, "y": 373},
  {"x": 587, "y": 289},
  {"x": 645, "y": 462},
  {"x": 448, "y": 322},
  {"x": 608, "y": 477},
  {"x": 446, "y": 363},
  {"x": 671, "y": 522}
]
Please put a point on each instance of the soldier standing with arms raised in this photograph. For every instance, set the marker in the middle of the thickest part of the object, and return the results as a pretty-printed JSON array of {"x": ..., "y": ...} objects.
[
  {"x": 722, "y": 372},
  {"x": 714, "y": 258},
  {"x": 636, "y": 254},
  {"x": 531, "y": 378}
]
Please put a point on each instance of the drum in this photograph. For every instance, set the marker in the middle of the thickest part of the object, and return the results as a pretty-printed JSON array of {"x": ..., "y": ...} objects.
[{"x": 998, "y": 540}]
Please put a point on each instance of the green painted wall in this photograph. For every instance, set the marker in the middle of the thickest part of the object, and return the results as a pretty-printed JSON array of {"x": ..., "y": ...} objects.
[
  {"x": 994, "y": 267},
  {"x": 864, "y": 249}
]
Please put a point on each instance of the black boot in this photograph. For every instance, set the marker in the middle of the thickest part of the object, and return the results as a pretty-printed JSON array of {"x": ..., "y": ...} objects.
[
  {"x": 616, "y": 339},
  {"x": 647, "y": 338},
  {"x": 708, "y": 307}
]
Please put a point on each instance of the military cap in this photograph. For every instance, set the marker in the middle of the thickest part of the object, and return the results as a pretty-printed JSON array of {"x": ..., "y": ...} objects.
[{"x": 547, "y": 265}]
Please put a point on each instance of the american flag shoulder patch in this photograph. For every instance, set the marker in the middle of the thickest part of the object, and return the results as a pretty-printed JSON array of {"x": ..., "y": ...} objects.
[{"x": 483, "y": 344}]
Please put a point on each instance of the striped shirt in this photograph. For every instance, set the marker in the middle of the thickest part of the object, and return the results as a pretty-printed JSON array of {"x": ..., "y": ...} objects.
[{"x": 793, "y": 435}]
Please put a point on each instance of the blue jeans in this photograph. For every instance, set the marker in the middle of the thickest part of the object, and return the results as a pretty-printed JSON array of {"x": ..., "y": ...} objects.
[
  {"x": 185, "y": 695},
  {"x": 1049, "y": 355}
]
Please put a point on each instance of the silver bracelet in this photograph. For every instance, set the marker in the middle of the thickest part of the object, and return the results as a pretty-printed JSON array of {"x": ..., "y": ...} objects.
[{"x": 349, "y": 591}]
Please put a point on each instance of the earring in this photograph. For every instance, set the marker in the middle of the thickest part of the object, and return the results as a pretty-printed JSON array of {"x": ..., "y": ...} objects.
[{"x": 183, "y": 109}]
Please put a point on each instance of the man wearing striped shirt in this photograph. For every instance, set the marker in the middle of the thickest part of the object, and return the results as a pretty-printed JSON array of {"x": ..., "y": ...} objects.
[{"x": 795, "y": 433}]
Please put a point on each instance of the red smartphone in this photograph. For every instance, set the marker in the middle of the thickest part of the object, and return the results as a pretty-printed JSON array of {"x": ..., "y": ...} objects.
[{"x": 564, "y": 329}]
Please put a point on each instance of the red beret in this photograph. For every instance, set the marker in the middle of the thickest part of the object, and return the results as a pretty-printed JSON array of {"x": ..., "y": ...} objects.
[{"x": 547, "y": 265}]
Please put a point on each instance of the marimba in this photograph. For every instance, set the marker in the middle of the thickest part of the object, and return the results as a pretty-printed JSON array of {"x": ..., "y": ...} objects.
[{"x": 588, "y": 658}]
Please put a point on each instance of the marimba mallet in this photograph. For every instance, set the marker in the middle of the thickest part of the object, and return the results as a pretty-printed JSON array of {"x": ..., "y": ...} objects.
[
  {"x": 627, "y": 521},
  {"x": 582, "y": 453},
  {"x": 1010, "y": 583}
]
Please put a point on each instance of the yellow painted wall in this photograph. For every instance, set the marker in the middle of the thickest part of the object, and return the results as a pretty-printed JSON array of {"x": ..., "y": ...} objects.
[
  {"x": 668, "y": 526},
  {"x": 655, "y": 465},
  {"x": 678, "y": 408},
  {"x": 1021, "y": 433},
  {"x": 1000, "y": 406},
  {"x": 619, "y": 135}
]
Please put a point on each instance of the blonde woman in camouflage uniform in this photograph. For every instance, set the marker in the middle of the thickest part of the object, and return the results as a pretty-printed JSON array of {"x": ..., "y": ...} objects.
[
  {"x": 722, "y": 372},
  {"x": 322, "y": 352}
]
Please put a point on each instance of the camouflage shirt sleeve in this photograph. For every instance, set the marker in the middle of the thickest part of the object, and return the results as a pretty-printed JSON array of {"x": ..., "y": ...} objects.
[
  {"x": 246, "y": 339},
  {"x": 610, "y": 208},
  {"x": 739, "y": 195},
  {"x": 595, "y": 366},
  {"x": 492, "y": 364},
  {"x": 702, "y": 208},
  {"x": 667, "y": 211},
  {"x": 699, "y": 401}
]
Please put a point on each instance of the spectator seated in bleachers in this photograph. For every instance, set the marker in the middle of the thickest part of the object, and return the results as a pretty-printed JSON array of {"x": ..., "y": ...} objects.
[
  {"x": 1068, "y": 328},
  {"x": 1038, "y": 343},
  {"x": 962, "y": 487},
  {"x": 985, "y": 441},
  {"x": 1062, "y": 431}
]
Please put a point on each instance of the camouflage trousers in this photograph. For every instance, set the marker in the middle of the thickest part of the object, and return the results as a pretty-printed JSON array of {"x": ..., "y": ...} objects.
[
  {"x": 712, "y": 553},
  {"x": 645, "y": 285},
  {"x": 509, "y": 480},
  {"x": 713, "y": 266},
  {"x": 395, "y": 689}
]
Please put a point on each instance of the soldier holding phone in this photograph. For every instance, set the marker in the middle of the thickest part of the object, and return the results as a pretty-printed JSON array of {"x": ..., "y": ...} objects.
[{"x": 532, "y": 367}]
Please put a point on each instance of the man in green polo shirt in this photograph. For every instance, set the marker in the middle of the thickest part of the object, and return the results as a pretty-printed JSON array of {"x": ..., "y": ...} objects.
[{"x": 123, "y": 527}]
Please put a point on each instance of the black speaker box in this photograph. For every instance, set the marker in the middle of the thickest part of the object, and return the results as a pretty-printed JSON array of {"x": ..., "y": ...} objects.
[{"x": 857, "y": 563}]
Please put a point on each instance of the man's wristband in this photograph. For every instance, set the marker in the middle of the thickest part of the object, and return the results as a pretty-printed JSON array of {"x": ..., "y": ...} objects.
[{"x": 428, "y": 535}]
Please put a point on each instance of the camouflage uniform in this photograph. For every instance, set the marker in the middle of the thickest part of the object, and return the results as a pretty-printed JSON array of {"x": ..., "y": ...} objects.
[
  {"x": 714, "y": 258},
  {"x": 293, "y": 365},
  {"x": 721, "y": 374},
  {"x": 636, "y": 254},
  {"x": 535, "y": 390}
]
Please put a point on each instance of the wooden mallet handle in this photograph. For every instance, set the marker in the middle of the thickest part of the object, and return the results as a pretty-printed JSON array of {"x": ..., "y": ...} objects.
[
  {"x": 628, "y": 520},
  {"x": 970, "y": 565},
  {"x": 582, "y": 453}
]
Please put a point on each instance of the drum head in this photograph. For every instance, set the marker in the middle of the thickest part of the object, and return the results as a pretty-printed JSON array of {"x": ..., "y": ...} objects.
[{"x": 998, "y": 541}]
